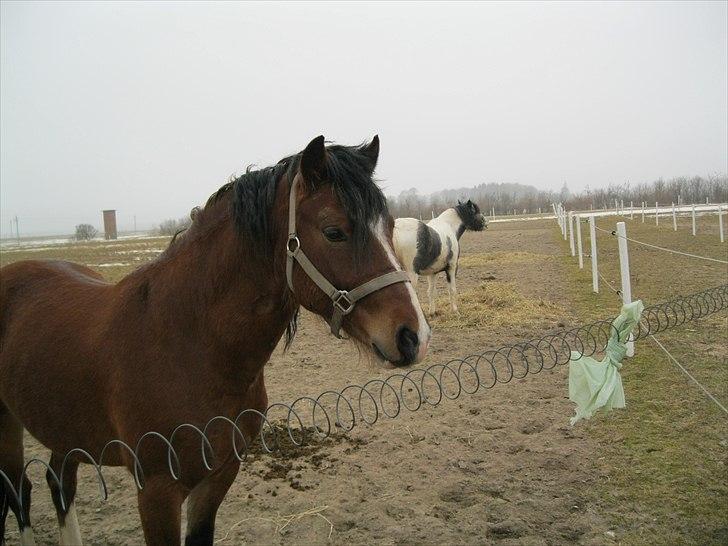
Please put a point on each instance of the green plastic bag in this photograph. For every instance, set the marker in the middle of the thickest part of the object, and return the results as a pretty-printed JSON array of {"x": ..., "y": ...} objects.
[{"x": 594, "y": 384}]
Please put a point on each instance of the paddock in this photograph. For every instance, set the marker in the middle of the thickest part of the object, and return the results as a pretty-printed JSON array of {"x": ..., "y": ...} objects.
[{"x": 502, "y": 465}]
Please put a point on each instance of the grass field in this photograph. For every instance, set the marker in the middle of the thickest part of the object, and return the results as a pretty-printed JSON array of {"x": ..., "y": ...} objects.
[{"x": 501, "y": 466}]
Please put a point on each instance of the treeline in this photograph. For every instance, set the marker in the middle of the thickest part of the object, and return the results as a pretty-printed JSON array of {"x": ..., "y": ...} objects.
[{"x": 523, "y": 199}]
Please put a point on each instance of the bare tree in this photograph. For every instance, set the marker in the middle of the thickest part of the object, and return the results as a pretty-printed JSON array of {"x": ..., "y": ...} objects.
[{"x": 85, "y": 232}]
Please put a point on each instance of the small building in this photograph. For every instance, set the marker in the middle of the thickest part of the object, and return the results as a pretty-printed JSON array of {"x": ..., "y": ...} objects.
[{"x": 110, "y": 224}]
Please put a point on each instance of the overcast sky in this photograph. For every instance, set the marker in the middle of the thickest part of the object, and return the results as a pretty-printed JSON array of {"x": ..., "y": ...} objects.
[{"x": 150, "y": 107}]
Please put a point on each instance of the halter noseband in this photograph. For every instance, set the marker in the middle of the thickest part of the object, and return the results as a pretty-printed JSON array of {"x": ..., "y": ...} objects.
[{"x": 342, "y": 300}]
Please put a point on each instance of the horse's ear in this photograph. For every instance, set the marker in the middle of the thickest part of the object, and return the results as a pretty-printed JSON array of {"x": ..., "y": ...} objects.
[
  {"x": 313, "y": 161},
  {"x": 371, "y": 151}
]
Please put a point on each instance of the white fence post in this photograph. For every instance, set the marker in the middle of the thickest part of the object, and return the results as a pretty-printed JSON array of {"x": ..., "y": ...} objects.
[
  {"x": 657, "y": 222},
  {"x": 571, "y": 233},
  {"x": 624, "y": 271},
  {"x": 578, "y": 241},
  {"x": 631, "y": 211},
  {"x": 563, "y": 223},
  {"x": 621, "y": 206},
  {"x": 674, "y": 218},
  {"x": 643, "y": 212},
  {"x": 694, "y": 221},
  {"x": 595, "y": 267},
  {"x": 720, "y": 224}
]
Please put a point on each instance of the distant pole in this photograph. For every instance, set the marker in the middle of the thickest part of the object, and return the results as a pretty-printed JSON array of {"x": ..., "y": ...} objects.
[
  {"x": 706, "y": 201},
  {"x": 595, "y": 268},
  {"x": 578, "y": 241},
  {"x": 720, "y": 224},
  {"x": 621, "y": 207},
  {"x": 674, "y": 218},
  {"x": 643, "y": 212},
  {"x": 694, "y": 230},
  {"x": 631, "y": 211},
  {"x": 624, "y": 272},
  {"x": 571, "y": 234},
  {"x": 657, "y": 222}
]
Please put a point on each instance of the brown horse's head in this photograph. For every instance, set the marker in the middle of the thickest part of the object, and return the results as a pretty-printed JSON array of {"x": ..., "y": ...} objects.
[{"x": 345, "y": 230}]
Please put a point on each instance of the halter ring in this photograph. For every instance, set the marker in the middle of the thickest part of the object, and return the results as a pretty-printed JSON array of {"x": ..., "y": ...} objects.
[{"x": 293, "y": 239}]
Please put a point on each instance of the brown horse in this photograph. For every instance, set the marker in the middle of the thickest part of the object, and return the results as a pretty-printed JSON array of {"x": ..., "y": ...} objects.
[{"x": 185, "y": 337}]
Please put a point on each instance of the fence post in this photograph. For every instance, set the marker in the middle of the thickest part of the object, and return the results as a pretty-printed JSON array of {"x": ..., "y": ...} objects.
[
  {"x": 578, "y": 241},
  {"x": 631, "y": 211},
  {"x": 693, "y": 220},
  {"x": 720, "y": 224},
  {"x": 624, "y": 271},
  {"x": 643, "y": 212},
  {"x": 571, "y": 233},
  {"x": 563, "y": 223},
  {"x": 657, "y": 222},
  {"x": 674, "y": 218},
  {"x": 595, "y": 266}
]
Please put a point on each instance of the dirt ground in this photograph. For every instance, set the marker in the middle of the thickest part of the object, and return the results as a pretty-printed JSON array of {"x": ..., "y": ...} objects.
[{"x": 500, "y": 466}]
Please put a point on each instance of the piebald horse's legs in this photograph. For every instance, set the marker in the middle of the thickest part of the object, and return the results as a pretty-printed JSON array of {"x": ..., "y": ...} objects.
[
  {"x": 431, "y": 293},
  {"x": 452, "y": 289},
  {"x": 70, "y": 533},
  {"x": 203, "y": 502},
  {"x": 11, "y": 463}
]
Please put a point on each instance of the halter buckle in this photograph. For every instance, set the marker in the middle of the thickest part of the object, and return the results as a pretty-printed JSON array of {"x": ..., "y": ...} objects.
[
  {"x": 343, "y": 303},
  {"x": 297, "y": 244}
]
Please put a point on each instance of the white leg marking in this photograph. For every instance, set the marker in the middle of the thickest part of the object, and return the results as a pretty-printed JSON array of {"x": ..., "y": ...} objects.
[
  {"x": 26, "y": 537},
  {"x": 70, "y": 531},
  {"x": 431, "y": 293},
  {"x": 423, "y": 329},
  {"x": 453, "y": 292}
]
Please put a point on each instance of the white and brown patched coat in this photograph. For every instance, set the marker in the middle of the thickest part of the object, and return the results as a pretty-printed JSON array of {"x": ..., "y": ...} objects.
[{"x": 433, "y": 247}]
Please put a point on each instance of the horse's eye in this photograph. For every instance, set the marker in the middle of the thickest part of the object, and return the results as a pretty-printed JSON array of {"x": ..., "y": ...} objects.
[{"x": 335, "y": 235}]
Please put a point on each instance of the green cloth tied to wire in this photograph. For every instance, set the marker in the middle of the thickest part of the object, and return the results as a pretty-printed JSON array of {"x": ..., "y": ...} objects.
[{"x": 594, "y": 384}]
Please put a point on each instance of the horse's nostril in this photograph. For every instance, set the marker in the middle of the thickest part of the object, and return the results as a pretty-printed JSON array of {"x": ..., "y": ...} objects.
[{"x": 408, "y": 344}]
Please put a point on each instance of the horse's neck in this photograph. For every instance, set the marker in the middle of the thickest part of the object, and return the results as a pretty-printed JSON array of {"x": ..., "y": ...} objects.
[
  {"x": 451, "y": 219},
  {"x": 213, "y": 289}
]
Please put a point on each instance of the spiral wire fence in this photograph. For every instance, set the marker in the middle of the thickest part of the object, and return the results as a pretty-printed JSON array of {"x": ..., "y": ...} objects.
[{"x": 410, "y": 390}]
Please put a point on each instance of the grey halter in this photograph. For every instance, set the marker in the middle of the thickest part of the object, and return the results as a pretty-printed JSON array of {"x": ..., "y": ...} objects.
[{"x": 342, "y": 300}]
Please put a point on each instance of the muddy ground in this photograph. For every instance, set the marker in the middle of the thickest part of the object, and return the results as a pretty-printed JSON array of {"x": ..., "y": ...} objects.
[{"x": 501, "y": 466}]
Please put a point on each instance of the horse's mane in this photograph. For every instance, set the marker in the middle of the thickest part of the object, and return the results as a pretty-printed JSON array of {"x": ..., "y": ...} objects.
[{"x": 348, "y": 170}]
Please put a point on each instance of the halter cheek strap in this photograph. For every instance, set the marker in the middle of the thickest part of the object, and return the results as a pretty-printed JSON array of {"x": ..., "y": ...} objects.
[{"x": 343, "y": 301}]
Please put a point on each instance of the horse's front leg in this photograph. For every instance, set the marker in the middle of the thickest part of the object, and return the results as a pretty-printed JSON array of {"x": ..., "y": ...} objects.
[
  {"x": 160, "y": 509},
  {"x": 203, "y": 502},
  {"x": 431, "y": 293},
  {"x": 452, "y": 288}
]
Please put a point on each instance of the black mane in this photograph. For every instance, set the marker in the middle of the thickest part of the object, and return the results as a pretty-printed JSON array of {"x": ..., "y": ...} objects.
[{"x": 348, "y": 171}]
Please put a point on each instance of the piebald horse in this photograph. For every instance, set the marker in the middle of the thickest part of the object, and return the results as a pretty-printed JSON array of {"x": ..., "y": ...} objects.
[
  {"x": 432, "y": 247},
  {"x": 185, "y": 337}
]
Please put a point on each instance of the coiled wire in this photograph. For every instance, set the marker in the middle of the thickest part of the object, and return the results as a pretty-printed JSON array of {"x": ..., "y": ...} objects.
[{"x": 409, "y": 390}]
